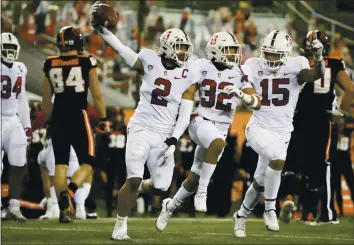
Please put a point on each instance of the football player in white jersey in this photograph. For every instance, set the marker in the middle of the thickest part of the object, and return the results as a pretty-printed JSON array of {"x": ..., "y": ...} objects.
[
  {"x": 223, "y": 83},
  {"x": 167, "y": 92},
  {"x": 16, "y": 129},
  {"x": 278, "y": 78}
]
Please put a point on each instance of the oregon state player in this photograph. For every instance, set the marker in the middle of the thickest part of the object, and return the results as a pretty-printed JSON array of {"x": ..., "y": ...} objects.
[
  {"x": 310, "y": 141},
  {"x": 68, "y": 77}
]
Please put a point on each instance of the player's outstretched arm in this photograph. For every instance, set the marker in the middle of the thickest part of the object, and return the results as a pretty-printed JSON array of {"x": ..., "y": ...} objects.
[
  {"x": 98, "y": 101},
  {"x": 47, "y": 98},
  {"x": 315, "y": 73},
  {"x": 347, "y": 86},
  {"x": 185, "y": 110},
  {"x": 24, "y": 111},
  {"x": 130, "y": 57}
]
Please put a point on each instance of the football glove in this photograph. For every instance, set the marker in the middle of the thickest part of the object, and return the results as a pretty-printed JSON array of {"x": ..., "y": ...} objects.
[
  {"x": 231, "y": 89},
  {"x": 171, "y": 146},
  {"x": 316, "y": 48},
  {"x": 28, "y": 132},
  {"x": 102, "y": 127}
]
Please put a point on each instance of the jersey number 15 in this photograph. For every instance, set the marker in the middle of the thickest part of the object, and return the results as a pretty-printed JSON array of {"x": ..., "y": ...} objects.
[{"x": 275, "y": 90}]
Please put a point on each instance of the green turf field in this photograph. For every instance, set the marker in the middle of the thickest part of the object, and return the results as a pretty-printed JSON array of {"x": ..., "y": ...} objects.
[{"x": 178, "y": 231}]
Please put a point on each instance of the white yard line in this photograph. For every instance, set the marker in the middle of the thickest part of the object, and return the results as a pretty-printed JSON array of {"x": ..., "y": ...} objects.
[
  {"x": 198, "y": 220},
  {"x": 193, "y": 234}
]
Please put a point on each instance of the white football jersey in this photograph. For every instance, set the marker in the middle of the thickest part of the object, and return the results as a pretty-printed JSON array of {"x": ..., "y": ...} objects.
[
  {"x": 12, "y": 86},
  {"x": 160, "y": 93},
  {"x": 214, "y": 103},
  {"x": 279, "y": 92}
]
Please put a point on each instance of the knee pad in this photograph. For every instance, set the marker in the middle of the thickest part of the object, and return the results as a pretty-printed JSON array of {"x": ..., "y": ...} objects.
[
  {"x": 198, "y": 160},
  {"x": 41, "y": 157},
  {"x": 161, "y": 183}
]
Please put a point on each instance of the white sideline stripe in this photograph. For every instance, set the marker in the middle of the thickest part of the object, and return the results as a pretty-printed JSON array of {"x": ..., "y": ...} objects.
[
  {"x": 190, "y": 233},
  {"x": 199, "y": 220}
]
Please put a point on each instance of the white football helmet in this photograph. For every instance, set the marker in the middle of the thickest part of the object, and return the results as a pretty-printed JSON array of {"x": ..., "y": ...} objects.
[
  {"x": 172, "y": 43},
  {"x": 219, "y": 49},
  {"x": 277, "y": 43},
  {"x": 10, "y": 47}
]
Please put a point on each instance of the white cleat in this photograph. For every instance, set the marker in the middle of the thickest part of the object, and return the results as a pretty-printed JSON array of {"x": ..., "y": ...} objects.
[
  {"x": 51, "y": 213},
  {"x": 286, "y": 211},
  {"x": 200, "y": 202},
  {"x": 80, "y": 212},
  {"x": 48, "y": 213},
  {"x": 55, "y": 211},
  {"x": 271, "y": 221},
  {"x": 120, "y": 231},
  {"x": 164, "y": 216},
  {"x": 240, "y": 226},
  {"x": 15, "y": 212},
  {"x": 4, "y": 213}
]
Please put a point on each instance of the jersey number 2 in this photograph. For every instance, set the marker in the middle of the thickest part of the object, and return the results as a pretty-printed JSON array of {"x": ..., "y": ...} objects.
[
  {"x": 211, "y": 94},
  {"x": 74, "y": 79},
  {"x": 275, "y": 90},
  {"x": 158, "y": 93},
  {"x": 6, "y": 87}
]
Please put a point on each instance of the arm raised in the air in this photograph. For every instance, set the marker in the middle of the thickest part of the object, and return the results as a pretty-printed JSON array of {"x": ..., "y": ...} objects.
[
  {"x": 129, "y": 56},
  {"x": 315, "y": 73}
]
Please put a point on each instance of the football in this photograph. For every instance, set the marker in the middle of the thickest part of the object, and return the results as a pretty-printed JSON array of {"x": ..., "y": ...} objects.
[{"x": 106, "y": 16}]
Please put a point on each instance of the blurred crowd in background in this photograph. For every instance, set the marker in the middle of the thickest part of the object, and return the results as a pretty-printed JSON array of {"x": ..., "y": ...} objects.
[{"x": 37, "y": 22}]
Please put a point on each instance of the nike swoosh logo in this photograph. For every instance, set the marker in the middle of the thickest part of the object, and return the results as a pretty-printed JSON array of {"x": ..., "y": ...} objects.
[
  {"x": 178, "y": 77},
  {"x": 286, "y": 73},
  {"x": 231, "y": 77}
]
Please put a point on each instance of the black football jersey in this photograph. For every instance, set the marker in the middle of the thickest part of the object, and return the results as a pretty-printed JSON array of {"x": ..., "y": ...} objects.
[
  {"x": 116, "y": 144},
  {"x": 317, "y": 97},
  {"x": 69, "y": 79}
]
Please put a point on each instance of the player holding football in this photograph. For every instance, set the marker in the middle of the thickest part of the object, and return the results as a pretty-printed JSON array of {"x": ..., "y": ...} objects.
[
  {"x": 309, "y": 147},
  {"x": 278, "y": 78},
  {"x": 223, "y": 82},
  {"x": 16, "y": 129},
  {"x": 69, "y": 76},
  {"x": 167, "y": 92}
]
